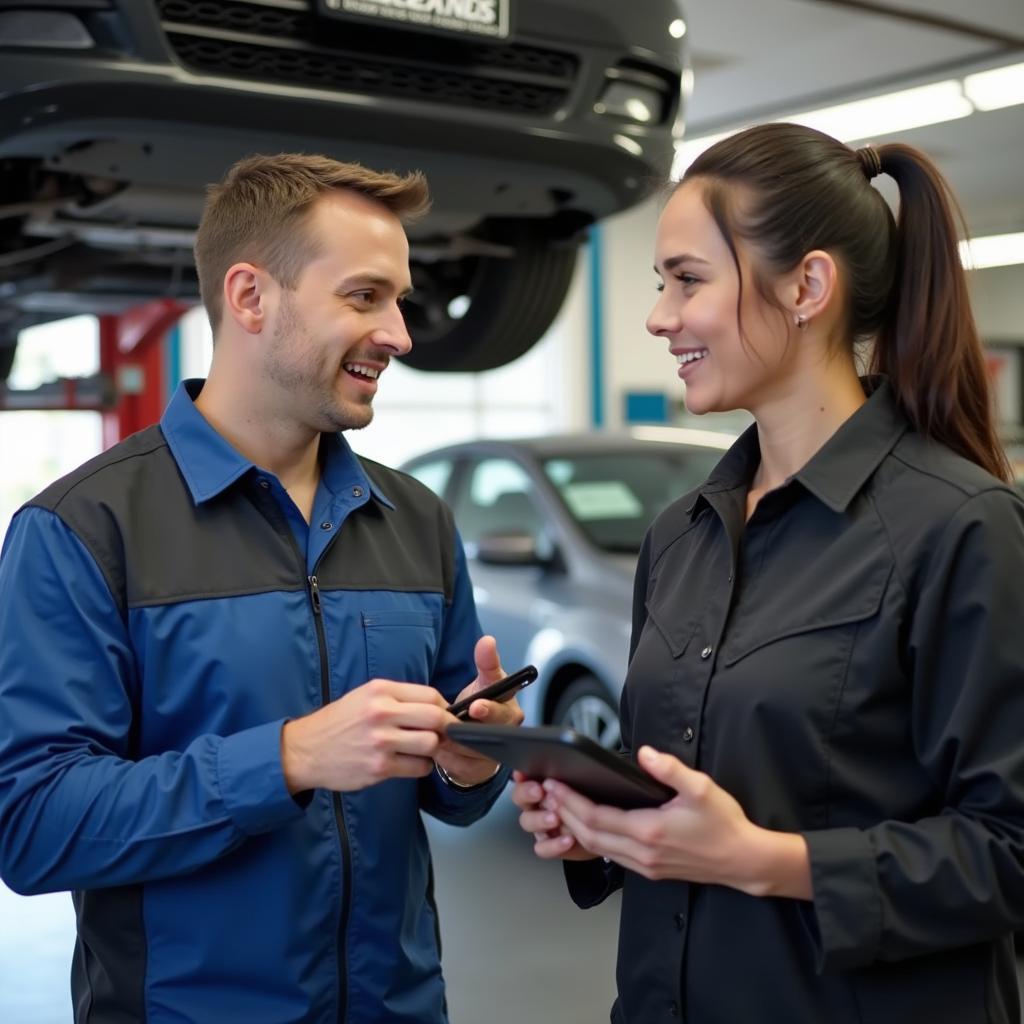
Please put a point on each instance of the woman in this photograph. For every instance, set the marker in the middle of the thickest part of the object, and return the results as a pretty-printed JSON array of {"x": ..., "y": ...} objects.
[{"x": 827, "y": 661}]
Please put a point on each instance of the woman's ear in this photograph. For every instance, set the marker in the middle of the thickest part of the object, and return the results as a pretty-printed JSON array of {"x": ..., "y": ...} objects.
[
  {"x": 245, "y": 296},
  {"x": 811, "y": 289}
]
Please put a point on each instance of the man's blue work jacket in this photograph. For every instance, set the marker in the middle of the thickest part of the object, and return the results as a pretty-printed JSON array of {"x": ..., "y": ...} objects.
[{"x": 164, "y": 609}]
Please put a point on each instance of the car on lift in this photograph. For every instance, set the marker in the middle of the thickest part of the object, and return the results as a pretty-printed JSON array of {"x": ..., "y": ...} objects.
[
  {"x": 531, "y": 118},
  {"x": 552, "y": 528}
]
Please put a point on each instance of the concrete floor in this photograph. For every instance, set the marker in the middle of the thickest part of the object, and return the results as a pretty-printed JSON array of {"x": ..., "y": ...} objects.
[{"x": 515, "y": 948}]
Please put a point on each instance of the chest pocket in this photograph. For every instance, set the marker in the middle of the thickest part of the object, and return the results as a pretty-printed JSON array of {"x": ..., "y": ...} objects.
[
  {"x": 401, "y": 644},
  {"x": 821, "y": 632},
  {"x": 671, "y": 610},
  {"x": 677, "y": 634}
]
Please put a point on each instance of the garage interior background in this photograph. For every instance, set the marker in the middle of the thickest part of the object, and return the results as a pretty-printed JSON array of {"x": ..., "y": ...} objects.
[{"x": 751, "y": 61}]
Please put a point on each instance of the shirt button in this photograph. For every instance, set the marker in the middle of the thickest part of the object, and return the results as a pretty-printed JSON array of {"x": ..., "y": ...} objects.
[
  {"x": 326, "y": 526},
  {"x": 265, "y": 484},
  {"x": 688, "y": 734},
  {"x": 357, "y": 492},
  {"x": 706, "y": 653},
  {"x": 673, "y": 1009},
  {"x": 680, "y": 920}
]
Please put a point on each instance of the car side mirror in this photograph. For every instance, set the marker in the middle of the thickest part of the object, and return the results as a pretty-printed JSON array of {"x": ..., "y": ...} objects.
[{"x": 511, "y": 547}]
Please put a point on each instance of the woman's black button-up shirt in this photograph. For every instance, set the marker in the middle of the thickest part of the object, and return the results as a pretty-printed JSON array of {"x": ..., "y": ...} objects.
[{"x": 849, "y": 664}]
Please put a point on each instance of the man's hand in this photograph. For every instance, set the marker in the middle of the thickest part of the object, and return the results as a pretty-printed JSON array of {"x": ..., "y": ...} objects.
[
  {"x": 465, "y": 766},
  {"x": 381, "y": 730}
]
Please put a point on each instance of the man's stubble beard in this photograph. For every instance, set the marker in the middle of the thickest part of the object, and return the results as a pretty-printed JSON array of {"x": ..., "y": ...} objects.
[{"x": 325, "y": 412}]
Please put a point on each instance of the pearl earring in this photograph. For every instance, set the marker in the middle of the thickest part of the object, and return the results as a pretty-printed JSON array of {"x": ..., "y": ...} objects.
[{"x": 800, "y": 321}]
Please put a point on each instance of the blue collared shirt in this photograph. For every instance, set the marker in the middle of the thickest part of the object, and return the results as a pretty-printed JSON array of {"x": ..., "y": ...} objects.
[{"x": 210, "y": 463}]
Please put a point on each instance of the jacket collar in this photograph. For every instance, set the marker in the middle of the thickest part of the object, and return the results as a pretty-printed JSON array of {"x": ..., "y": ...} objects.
[
  {"x": 839, "y": 469},
  {"x": 210, "y": 464}
]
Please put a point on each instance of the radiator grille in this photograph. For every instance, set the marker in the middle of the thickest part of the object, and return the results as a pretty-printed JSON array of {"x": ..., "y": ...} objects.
[
  {"x": 289, "y": 45},
  {"x": 237, "y": 17}
]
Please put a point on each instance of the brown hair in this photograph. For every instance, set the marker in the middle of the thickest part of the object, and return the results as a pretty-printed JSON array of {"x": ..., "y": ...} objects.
[
  {"x": 800, "y": 190},
  {"x": 258, "y": 213}
]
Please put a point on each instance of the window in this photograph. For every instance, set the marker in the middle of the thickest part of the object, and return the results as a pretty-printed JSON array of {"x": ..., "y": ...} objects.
[
  {"x": 434, "y": 475},
  {"x": 497, "y": 497},
  {"x": 615, "y": 495}
]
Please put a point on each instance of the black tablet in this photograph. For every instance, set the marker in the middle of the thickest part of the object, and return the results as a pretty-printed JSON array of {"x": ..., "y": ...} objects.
[{"x": 551, "y": 752}]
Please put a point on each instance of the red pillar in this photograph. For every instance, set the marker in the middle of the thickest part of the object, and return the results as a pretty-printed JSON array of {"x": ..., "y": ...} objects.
[{"x": 131, "y": 355}]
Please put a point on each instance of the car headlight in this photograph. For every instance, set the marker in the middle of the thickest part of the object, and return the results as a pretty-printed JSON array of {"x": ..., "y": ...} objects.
[
  {"x": 55, "y": 30},
  {"x": 632, "y": 101}
]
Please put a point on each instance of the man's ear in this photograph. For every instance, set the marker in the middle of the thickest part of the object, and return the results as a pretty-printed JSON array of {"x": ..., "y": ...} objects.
[
  {"x": 812, "y": 287},
  {"x": 245, "y": 296}
]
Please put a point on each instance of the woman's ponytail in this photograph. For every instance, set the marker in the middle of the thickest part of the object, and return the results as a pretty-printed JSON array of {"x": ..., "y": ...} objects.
[{"x": 928, "y": 343}]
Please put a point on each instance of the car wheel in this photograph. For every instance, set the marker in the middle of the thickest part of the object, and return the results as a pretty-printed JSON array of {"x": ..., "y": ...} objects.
[
  {"x": 511, "y": 302},
  {"x": 586, "y": 707}
]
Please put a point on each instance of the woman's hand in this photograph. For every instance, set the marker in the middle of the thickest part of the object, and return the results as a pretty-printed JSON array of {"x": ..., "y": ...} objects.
[
  {"x": 701, "y": 835},
  {"x": 550, "y": 840}
]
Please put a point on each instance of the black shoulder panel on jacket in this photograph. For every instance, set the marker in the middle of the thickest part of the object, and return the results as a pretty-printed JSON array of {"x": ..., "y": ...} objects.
[
  {"x": 91, "y": 500},
  {"x": 135, "y": 514},
  {"x": 408, "y": 547}
]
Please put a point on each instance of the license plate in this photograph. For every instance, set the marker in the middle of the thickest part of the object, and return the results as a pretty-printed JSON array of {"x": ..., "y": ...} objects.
[{"x": 488, "y": 18}]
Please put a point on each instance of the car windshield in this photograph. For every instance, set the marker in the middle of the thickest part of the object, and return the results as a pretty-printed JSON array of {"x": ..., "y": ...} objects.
[{"x": 614, "y": 496}]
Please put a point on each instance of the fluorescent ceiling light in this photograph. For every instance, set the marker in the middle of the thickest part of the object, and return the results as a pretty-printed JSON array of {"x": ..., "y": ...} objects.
[
  {"x": 1000, "y": 87},
  {"x": 891, "y": 112},
  {"x": 993, "y": 251}
]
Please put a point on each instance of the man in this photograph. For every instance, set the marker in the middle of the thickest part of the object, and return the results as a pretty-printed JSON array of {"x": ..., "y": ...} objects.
[{"x": 227, "y": 646}]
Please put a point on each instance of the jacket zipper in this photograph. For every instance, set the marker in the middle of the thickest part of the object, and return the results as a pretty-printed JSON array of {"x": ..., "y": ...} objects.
[{"x": 339, "y": 811}]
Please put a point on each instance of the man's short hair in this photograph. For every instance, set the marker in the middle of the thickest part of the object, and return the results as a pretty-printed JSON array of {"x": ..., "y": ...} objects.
[{"x": 258, "y": 214}]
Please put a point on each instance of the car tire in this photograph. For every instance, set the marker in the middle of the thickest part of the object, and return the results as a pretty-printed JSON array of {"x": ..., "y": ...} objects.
[
  {"x": 587, "y": 707},
  {"x": 512, "y": 302}
]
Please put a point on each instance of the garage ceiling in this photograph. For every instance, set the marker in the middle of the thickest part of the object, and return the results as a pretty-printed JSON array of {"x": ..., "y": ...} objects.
[{"x": 755, "y": 60}]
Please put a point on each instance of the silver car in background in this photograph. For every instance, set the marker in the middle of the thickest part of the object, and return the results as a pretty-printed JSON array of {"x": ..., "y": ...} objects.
[{"x": 552, "y": 528}]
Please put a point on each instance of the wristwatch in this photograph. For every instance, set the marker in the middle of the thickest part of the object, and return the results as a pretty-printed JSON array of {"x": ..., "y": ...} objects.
[{"x": 449, "y": 781}]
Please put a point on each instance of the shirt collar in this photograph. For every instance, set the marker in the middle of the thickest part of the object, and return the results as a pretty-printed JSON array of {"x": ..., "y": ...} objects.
[
  {"x": 735, "y": 469},
  {"x": 210, "y": 464},
  {"x": 837, "y": 472},
  {"x": 341, "y": 468},
  {"x": 839, "y": 469}
]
